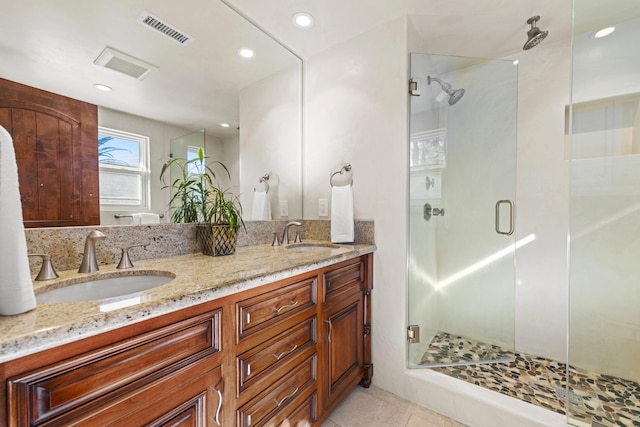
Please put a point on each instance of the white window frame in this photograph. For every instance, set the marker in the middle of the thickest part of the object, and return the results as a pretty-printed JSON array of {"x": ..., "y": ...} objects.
[{"x": 142, "y": 171}]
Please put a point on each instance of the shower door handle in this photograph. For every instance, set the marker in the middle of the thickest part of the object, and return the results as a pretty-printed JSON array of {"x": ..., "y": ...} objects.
[{"x": 511, "y": 228}]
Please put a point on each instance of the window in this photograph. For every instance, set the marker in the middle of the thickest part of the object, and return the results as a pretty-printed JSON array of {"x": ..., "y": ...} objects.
[
  {"x": 195, "y": 168},
  {"x": 124, "y": 170}
]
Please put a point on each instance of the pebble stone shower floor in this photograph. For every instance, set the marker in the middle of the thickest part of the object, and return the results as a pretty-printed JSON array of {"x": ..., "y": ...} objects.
[{"x": 607, "y": 400}]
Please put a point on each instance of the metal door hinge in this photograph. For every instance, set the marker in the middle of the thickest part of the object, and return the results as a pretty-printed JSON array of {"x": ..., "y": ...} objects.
[
  {"x": 413, "y": 334},
  {"x": 413, "y": 88},
  {"x": 367, "y": 329}
]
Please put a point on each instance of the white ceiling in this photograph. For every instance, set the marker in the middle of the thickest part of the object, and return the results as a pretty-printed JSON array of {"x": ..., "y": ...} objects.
[
  {"x": 480, "y": 28},
  {"x": 52, "y": 44}
]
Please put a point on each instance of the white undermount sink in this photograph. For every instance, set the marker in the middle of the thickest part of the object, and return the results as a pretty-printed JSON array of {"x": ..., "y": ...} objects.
[
  {"x": 314, "y": 246},
  {"x": 108, "y": 287}
]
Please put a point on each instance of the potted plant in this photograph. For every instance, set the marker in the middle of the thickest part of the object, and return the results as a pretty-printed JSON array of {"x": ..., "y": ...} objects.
[{"x": 196, "y": 197}]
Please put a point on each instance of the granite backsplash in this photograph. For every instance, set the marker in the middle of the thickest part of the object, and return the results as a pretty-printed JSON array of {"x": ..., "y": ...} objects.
[{"x": 66, "y": 244}]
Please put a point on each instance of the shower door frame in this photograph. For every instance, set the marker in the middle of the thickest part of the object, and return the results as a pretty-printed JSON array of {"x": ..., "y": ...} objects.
[{"x": 495, "y": 247}]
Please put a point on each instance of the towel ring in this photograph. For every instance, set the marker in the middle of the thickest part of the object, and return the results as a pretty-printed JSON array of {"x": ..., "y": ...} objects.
[
  {"x": 264, "y": 180},
  {"x": 345, "y": 168}
]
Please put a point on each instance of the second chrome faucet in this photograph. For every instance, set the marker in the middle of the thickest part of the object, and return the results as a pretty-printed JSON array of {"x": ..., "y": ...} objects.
[{"x": 285, "y": 233}]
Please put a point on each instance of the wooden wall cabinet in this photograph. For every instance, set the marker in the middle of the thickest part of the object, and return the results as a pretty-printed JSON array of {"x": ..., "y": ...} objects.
[
  {"x": 56, "y": 144},
  {"x": 286, "y": 351}
]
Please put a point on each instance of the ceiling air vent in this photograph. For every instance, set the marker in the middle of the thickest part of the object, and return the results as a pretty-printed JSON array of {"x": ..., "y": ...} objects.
[
  {"x": 168, "y": 30},
  {"x": 123, "y": 63}
]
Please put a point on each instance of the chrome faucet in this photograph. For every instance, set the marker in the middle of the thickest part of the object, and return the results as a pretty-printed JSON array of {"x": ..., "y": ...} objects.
[
  {"x": 285, "y": 233},
  {"x": 89, "y": 262}
]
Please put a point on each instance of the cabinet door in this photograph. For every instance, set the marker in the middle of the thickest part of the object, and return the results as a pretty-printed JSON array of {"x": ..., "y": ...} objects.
[
  {"x": 56, "y": 145},
  {"x": 343, "y": 326}
]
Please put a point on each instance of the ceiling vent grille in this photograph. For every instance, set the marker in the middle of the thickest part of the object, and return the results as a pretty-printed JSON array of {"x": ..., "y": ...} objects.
[
  {"x": 168, "y": 30},
  {"x": 123, "y": 63}
]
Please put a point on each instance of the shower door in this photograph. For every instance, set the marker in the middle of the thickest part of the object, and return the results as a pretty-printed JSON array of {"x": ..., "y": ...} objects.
[{"x": 462, "y": 181}]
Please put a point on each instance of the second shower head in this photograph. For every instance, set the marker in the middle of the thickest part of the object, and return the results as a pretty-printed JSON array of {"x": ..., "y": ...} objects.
[
  {"x": 535, "y": 35},
  {"x": 454, "y": 94}
]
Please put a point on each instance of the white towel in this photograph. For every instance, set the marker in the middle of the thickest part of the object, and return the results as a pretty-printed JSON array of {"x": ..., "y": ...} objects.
[
  {"x": 136, "y": 219},
  {"x": 342, "y": 225},
  {"x": 261, "y": 206},
  {"x": 149, "y": 218},
  {"x": 16, "y": 288}
]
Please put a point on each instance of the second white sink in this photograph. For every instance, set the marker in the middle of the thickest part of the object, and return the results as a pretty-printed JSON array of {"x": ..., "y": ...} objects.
[{"x": 314, "y": 246}]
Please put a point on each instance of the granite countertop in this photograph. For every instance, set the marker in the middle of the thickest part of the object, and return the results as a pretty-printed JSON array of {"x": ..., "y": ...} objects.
[{"x": 198, "y": 278}]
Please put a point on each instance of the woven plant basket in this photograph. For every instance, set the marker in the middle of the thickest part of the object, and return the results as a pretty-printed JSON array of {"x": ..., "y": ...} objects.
[{"x": 217, "y": 240}]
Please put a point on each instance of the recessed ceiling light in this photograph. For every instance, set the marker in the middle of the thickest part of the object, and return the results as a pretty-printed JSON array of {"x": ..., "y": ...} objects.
[
  {"x": 102, "y": 87},
  {"x": 246, "y": 53},
  {"x": 516, "y": 62},
  {"x": 604, "y": 32},
  {"x": 224, "y": 125},
  {"x": 303, "y": 20}
]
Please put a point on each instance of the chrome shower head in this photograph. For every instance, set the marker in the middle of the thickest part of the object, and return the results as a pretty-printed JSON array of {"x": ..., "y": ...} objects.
[
  {"x": 454, "y": 95},
  {"x": 535, "y": 35}
]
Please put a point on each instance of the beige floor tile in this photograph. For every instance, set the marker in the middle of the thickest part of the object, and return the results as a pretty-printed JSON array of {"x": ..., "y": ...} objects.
[
  {"x": 425, "y": 414},
  {"x": 363, "y": 409},
  {"x": 416, "y": 421},
  {"x": 374, "y": 407}
]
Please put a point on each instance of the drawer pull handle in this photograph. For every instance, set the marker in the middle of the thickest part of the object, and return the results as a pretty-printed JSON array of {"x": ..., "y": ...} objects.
[
  {"x": 281, "y": 355},
  {"x": 217, "y": 419},
  {"x": 278, "y": 310},
  {"x": 287, "y": 397},
  {"x": 330, "y": 330}
]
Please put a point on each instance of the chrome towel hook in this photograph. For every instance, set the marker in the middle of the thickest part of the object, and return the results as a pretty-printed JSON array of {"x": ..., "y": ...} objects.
[{"x": 343, "y": 169}]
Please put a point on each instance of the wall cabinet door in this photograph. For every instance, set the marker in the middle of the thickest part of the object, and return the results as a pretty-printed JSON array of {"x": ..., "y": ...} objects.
[
  {"x": 343, "y": 324},
  {"x": 56, "y": 143}
]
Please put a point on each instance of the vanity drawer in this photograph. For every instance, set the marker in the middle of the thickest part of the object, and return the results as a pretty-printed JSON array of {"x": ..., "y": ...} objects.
[
  {"x": 61, "y": 387},
  {"x": 263, "y": 359},
  {"x": 303, "y": 415},
  {"x": 286, "y": 392},
  {"x": 257, "y": 313},
  {"x": 346, "y": 278}
]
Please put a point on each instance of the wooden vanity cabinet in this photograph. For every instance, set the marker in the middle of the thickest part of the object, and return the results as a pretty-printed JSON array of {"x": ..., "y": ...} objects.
[
  {"x": 346, "y": 327},
  {"x": 286, "y": 351},
  {"x": 177, "y": 364}
]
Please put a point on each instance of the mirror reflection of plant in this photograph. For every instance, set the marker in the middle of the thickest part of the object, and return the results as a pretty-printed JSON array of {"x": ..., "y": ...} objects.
[
  {"x": 105, "y": 152},
  {"x": 196, "y": 197}
]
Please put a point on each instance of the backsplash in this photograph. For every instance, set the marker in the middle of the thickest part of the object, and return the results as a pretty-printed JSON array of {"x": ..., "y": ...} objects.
[{"x": 66, "y": 244}]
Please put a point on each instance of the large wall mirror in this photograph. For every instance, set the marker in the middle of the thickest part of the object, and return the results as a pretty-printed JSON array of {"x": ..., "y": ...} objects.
[{"x": 174, "y": 68}]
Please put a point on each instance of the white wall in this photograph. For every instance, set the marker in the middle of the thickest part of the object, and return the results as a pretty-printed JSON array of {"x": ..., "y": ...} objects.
[
  {"x": 357, "y": 113},
  {"x": 270, "y": 124}
]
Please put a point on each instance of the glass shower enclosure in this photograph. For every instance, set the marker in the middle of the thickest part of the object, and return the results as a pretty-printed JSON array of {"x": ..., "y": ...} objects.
[
  {"x": 603, "y": 149},
  {"x": 462, "y": 182}
]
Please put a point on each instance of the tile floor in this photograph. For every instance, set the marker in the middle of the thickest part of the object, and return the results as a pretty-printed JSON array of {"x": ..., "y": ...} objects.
[
  {"x": 592, "y": 397},
  {"x": 374, "y": 407}
]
